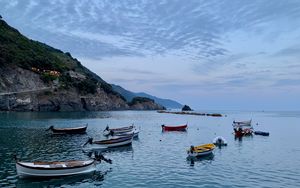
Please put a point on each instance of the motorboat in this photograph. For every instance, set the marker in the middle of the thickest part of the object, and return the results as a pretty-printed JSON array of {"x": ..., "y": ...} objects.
[{"x": 242, "y": 128}]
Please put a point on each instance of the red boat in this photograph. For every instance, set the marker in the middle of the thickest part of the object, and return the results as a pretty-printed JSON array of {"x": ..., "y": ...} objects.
[
  {"x": 174, "y": 128},
  {"x": 243, "y": 132}
]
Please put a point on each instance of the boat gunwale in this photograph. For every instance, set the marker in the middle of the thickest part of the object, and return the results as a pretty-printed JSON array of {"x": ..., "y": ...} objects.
[
  {"x": 70, "y": 129},
  {"x": 55, "y": 168}
]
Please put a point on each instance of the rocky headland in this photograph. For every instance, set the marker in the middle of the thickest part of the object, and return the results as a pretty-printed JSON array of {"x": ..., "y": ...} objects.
[{"x": 37, "y": 77}]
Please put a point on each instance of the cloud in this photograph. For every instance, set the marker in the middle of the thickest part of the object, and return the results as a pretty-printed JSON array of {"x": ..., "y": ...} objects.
[
  {"x": 288, "y": 82},
  {"x": 288, "y": 52},
  {"x": 195, "y": 46}
]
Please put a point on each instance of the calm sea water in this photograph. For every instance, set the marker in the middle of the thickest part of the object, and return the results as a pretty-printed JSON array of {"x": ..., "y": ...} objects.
[{"x": 157, "y": 159}]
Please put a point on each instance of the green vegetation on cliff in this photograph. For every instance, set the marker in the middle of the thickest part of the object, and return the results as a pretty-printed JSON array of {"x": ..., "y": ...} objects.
[
  {"x": 50, "y": 63},
  {"x": 136, "y": 100}
]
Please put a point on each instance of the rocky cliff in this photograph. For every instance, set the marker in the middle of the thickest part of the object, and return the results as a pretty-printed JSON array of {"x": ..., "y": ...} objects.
[{"x": 37, "y": 77}]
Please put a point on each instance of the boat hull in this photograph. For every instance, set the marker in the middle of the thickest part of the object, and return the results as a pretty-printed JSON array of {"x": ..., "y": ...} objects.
[
  {"x": 174, "y": 128},
  {"x": 202, "y": 150},
  {"x": 122, "y": 141},
  {"x": 261, "y": 133},
  {"x": 195, "y": 154},
  {"x": 78, "y": 130},
  {"x": 25, "y": 171},
  {"x": 243, "y": 132},
  {"x": 135, "y": 134}
]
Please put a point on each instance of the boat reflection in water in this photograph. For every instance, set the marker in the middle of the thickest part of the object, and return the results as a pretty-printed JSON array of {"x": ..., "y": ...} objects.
[
  {"x": 202, "y": 160},
  {"x": 96, "y": 178},
  {"x": 108, "y": 150}
]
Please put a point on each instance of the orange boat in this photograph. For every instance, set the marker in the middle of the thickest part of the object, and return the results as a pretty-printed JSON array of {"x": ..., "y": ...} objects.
[{"x": 174, "y": 128}]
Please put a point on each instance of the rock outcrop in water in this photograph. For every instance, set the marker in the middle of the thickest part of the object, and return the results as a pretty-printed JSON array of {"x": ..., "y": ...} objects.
[
  {"x": 37, "y": 77},
  {"x": 186, "y": 108}
]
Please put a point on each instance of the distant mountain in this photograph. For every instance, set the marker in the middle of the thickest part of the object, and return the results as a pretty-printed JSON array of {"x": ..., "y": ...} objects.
[{"x": 129, "y": 95}]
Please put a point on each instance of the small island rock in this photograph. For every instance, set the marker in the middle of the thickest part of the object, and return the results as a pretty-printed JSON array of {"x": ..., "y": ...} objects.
[{"x": 186, "y": 108}]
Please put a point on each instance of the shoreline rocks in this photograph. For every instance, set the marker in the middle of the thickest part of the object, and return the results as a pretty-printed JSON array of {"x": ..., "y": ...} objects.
[{"x": 190, "y": 113}]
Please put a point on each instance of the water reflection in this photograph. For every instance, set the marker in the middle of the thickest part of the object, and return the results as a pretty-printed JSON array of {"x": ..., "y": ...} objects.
[
  {"x": 95, "y": 178},
  {"x": 54, "y": 115},
  {"x": 202, "y": 159},
  {"x": 89, "y": 150},
  {"x": 240, "y": 138}
]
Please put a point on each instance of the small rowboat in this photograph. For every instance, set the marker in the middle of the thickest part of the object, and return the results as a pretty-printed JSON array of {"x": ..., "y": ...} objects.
[
  {"x": 121, "y": 130},
  {"x": 52, "y": 169},
  {"x": 219, "y": 141},
  {"x": 135, "y": 133},
  {"x": 109, "y": 143},
  {"x": 174, "y": 128},
  {"x": 202, "y": 150},
  {"x": 73, "y": 130},
  {"x": 55, "y": 169},
  {"x": 261, "y": 133}
]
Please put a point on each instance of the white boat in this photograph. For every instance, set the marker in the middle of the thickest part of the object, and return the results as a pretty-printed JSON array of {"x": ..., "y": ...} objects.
[
  {"x": 202, "y": 150},
  {"x": 54, "y": 169},
  {"x": 120, "y": 130},
  {"x": 242, "y": 123},
  {"x": 134, "y": 132},
  {"x": 219, "y": 141},
  {"x": 112, "y": 142}
]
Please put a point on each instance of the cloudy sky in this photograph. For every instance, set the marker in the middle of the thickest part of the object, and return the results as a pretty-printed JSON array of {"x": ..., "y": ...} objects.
[{"x": 210, "y": 54}]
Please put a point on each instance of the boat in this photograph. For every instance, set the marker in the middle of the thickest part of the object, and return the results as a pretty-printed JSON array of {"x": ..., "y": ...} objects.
[
  {"x": 202, "y": 150},
  {"x": 107, "y": 131},
  {"x": 242, "y": 128},
  {"x": 239, "y": 132},
  {"x": 242, "y": 123},
  {"x": 174, "y": 128},
  {"x": 72, "y": 130},
  {"x": 57, "y": 168},
  {"x": 219, "y": 141},
  {"x": 112, "y": 142},
  {"x": 135, "y": 133},
  {"x": 261, "y": 133}
]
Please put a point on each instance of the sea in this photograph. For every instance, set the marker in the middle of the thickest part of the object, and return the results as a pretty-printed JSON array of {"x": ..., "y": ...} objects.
[{"x": 156, "y": 158}]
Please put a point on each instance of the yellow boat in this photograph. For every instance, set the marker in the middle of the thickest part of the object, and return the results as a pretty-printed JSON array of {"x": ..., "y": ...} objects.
[{"x": 197, "y": 151}]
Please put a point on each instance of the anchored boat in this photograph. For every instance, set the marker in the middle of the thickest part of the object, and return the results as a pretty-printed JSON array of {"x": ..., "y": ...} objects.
[
  {"x": 202, "y": 150},
  {"x": 57, "y": 168},
  {"x": 135, "y": 133},
  {"x": 174, "y": 128},
  {"x": 242, "y": 123},
  {"x": 109, "y": 143},
  {"x": 121, "y": 130},
  {"x": 72, "y": 130},
  {"x": 242, "y": 128}
]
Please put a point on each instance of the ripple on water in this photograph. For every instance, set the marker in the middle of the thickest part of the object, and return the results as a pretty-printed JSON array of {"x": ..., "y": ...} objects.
[{"x": 156, "y": 159}]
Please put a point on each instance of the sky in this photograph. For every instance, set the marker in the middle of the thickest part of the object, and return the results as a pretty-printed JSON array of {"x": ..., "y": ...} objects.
[{"x": 209, "y": 54}]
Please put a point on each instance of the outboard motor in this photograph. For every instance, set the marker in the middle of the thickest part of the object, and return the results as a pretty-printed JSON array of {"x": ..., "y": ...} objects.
[
  {"x": 192, "y": 149},
  {"x": 99, "y": 157}
]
